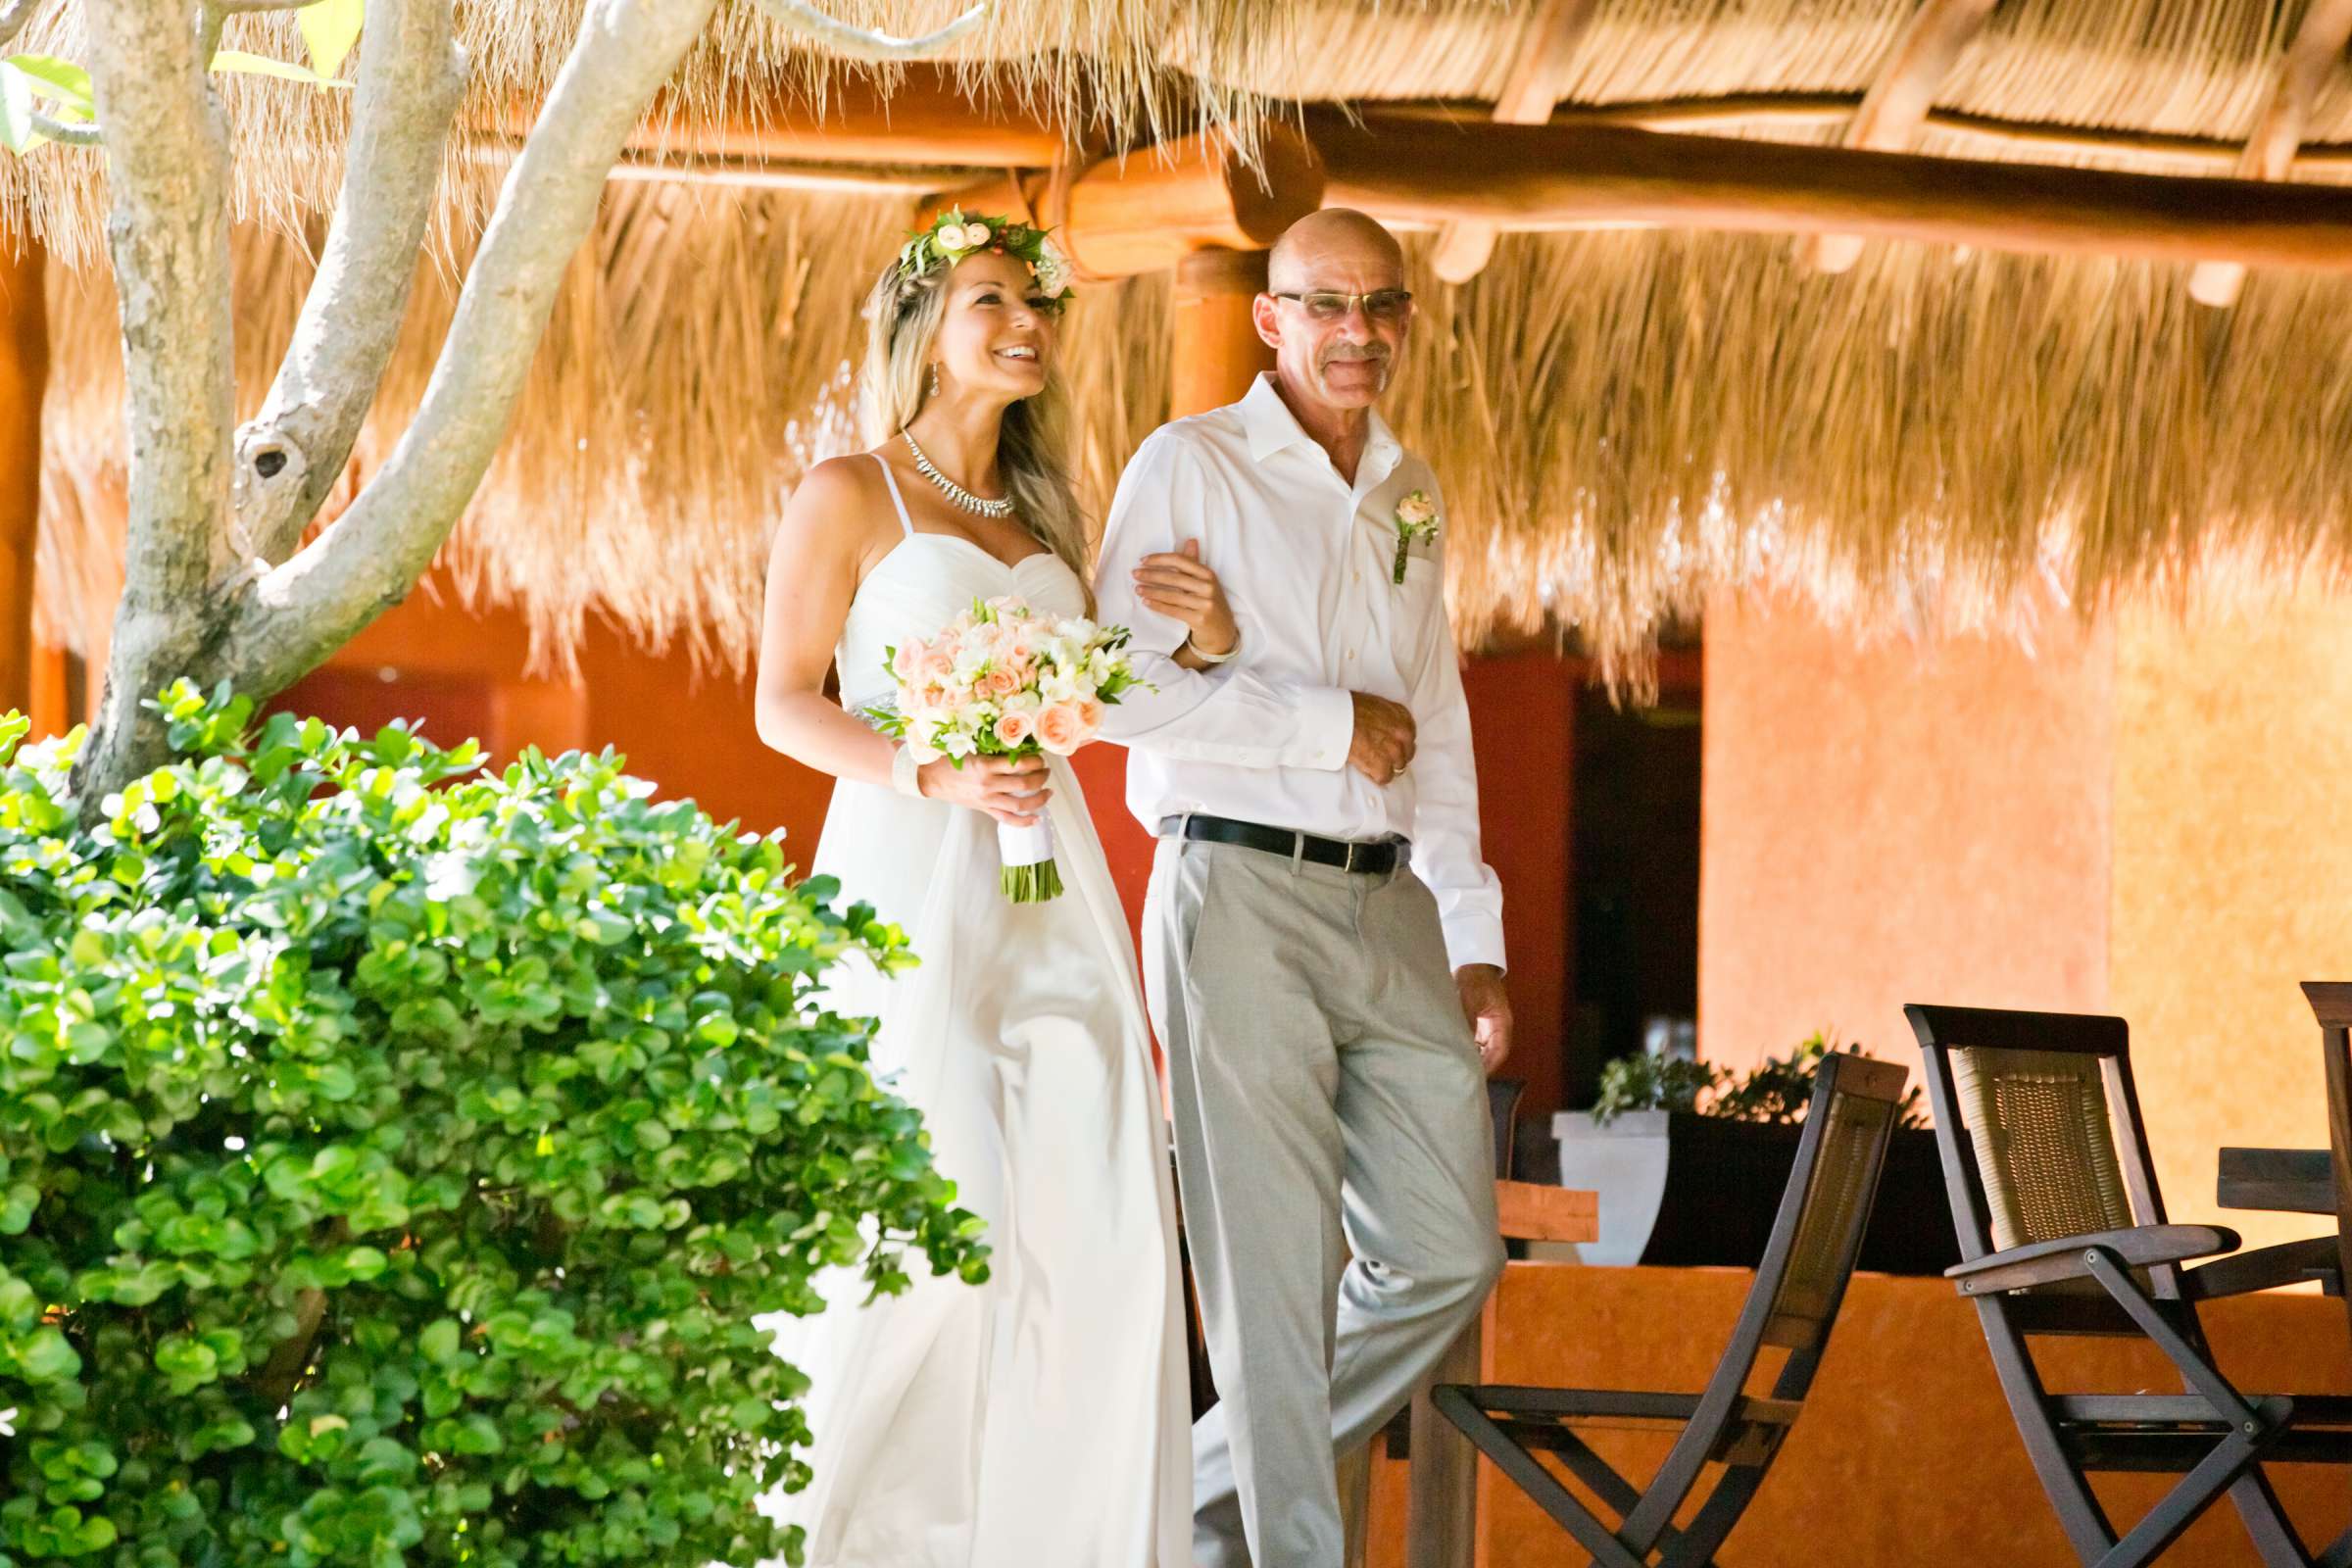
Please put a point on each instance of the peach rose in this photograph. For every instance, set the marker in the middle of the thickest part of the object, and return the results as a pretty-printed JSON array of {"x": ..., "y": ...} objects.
[
  {"x": 1058, "y": 730},
  {"x": 938, "y": 664},
  {"x": 1090, "y": 717},
  {"x": 1015, "y": 728},
  {"x": 1001, "y": 682},
  {"x": 906, "y": 661}
]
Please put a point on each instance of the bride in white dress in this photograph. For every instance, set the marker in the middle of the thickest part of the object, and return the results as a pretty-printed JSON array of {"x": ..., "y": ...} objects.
[{"x": 1039, "y": 1420}]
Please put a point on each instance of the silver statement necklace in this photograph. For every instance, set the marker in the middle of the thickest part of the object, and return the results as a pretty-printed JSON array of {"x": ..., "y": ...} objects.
[{"x": 978, "y": 505}]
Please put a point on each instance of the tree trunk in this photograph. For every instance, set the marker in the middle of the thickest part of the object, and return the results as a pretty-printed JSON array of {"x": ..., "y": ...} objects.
[
  {"x": 192, "y": 608},
  {"x": 168, "y": 233}
]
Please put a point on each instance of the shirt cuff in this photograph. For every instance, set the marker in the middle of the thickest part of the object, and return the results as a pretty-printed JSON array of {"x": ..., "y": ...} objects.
[
  {"x": 1474, "y": 939},
  {"x": 1325, "y": 730}
]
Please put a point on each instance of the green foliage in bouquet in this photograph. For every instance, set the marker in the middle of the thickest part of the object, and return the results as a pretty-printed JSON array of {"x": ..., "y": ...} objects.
[{"x": 394, "y": 1159}]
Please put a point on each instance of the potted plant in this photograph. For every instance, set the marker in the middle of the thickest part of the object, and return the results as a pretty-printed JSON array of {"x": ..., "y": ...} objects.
[
  {"x": 1691, "y": 1160},
  {"x": 395, "y": 1159}
]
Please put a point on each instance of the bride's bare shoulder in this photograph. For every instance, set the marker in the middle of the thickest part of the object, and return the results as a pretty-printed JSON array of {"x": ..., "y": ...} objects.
[{"x": 840, "y": 500}]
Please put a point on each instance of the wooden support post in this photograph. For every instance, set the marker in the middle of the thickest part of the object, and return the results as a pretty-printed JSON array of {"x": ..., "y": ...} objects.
[
  {"x": 24, "y": 377},
  {"x": 1216, "y": 352},
  {"x": 2312, "y": 58}
]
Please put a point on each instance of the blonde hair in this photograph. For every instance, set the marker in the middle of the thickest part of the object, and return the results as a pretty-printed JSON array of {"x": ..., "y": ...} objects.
[{"x": 903, "y": 313}]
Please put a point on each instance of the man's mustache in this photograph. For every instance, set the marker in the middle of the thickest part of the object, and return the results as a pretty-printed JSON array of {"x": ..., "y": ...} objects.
[{"x": 1350, "y": 352}]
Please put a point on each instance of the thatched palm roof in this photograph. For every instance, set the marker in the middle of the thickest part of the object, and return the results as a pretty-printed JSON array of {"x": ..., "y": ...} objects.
[{"x": 1627, "y": 422}]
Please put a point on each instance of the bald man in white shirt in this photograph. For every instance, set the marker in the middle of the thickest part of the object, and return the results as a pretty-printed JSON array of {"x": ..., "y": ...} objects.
[{"x": 1325, "y": 960}]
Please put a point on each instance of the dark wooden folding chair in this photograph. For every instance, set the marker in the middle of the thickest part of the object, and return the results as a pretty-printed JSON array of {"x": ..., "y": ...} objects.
[
  {"x": 1791, "y": 1305},
  {"x": 2062, "y": 1231},
  {"x": 2331, "y": 1003}
]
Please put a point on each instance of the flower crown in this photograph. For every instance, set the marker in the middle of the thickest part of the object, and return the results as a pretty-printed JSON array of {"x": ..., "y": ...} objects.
[{"x": 953, "y": 236}]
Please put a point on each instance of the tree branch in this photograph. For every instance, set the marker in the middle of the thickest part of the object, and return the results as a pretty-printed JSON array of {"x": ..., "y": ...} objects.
[
  {"x": 68, "y": 132},
  {"x": 289, "y": 455},
  {"x": 292, "y": 617},
  {"x": 865, "y": 43},
  {"x": 168, "y": 235},
  {"x": 14, "y": 16}
]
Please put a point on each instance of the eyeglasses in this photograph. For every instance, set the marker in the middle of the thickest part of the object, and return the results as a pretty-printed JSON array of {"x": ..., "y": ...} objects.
[{"x": 1326, "y": 305}]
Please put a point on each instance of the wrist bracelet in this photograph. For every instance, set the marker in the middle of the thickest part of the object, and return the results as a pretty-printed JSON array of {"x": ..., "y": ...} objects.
[
  {"x": 905, "y": 773},
  {"x": 1208, "y": 657}
]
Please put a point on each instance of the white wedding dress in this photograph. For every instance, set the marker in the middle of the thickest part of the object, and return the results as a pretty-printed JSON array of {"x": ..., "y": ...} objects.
[{"x": 1040, "y": 1420}]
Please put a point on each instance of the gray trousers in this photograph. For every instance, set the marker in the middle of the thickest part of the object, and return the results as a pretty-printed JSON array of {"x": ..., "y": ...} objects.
[{"x": 1334, "y": 1154}]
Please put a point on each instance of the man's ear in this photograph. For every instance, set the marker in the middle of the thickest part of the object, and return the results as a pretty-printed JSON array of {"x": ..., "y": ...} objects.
[{"x": 1267, "y": 319}]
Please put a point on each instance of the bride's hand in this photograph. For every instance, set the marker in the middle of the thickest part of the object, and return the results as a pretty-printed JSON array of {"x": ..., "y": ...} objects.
[
  {"x": 1010, "y": 790},
  {"x": 1178, "y": 587}
]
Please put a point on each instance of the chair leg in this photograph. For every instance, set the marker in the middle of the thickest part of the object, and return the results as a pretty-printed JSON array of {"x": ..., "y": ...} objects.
[
  {"x": 2179, "y": 1507},
  {"x": 1697, "y": 1546},
  {"x": 2078, "y": 1509},
  {"x": 2265, "y": 1523},
  {"x": 1555, "y": 1499}
]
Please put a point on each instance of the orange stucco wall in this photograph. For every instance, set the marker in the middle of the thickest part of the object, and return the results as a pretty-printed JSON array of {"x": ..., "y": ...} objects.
[
  {"x": 2148, "y": 817},
  {"x": 2233, "y": 880},
  {"x": 1896, "y": 825}
]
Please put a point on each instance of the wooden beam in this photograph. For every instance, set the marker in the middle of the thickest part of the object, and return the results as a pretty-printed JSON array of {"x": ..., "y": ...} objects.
[
  {"x": 1549, "y": 178},
  {"x": 2041, "y": 140},
  {"x": 1897, "y": 103},
  {"x": 928, "y": 122},
  {"x": 1534, "y": 1212},
  {"x": 1530, "y": 93},
  {"x": 2318, "y": 46},
  {"x": 24, "y": 381},
  {"x": 927, "y": 118},
  {"x": 1148, "y": 210}
]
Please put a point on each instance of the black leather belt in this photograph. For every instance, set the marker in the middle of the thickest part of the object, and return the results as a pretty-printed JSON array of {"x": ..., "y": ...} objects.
[{"x": 1372, "y": 859}]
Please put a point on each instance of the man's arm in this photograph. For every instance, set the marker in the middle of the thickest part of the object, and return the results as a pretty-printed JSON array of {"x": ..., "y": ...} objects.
[
  {"x": 1446, "y": 831},
  {"x": 1446, "y": 841},
  {"x": 1225, "y": 715}
]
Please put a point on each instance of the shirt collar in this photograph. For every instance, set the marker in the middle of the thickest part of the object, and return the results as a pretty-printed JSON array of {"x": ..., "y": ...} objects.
[{"x": 1272, "y": 426}]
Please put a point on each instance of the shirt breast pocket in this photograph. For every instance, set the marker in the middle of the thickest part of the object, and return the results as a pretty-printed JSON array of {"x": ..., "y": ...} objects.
[{"x": 1417, "y": 601}]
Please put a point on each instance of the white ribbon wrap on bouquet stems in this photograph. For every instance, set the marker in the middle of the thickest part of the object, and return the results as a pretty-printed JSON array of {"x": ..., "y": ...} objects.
[{"x": 1022, "y": 849}]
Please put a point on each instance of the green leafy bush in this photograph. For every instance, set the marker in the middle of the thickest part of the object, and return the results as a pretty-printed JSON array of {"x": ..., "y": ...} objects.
[
  {"x": 393, "y": 1159},
  {"x": 1778, "y": 1089}
]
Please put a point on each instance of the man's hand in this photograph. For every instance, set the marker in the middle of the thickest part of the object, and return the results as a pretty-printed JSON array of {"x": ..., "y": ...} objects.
[
  {"x": 1384, "y": 738},
  {"x": 1488, "y": 1008}
]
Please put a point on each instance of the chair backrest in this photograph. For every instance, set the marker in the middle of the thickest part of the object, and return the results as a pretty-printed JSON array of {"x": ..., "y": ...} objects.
[
  {"x": 2331, "y": 1003},
  {"x": 2040, "y": 1129},
  {"x": 1817, "y": 1233},
  {"x": 1502, "y": 1103}
]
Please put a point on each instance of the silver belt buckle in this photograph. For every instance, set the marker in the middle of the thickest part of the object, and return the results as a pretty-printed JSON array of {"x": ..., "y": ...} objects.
[{"x": 1353, "y": 846}]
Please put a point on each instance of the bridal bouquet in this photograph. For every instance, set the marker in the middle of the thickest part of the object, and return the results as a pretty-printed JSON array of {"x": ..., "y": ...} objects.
[{"x": 1002, "y": 680}]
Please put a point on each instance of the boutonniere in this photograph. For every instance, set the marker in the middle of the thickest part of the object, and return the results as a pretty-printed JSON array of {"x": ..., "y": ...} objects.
[{"x": 1416, "y": 519}]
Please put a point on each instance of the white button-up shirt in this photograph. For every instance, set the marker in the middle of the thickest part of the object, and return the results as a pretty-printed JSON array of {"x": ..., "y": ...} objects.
[{"x": 1308, "y": 561}]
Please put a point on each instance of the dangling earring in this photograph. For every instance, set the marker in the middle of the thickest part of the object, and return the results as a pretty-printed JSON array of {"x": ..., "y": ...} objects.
[{"x": 935, "y": 378}]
